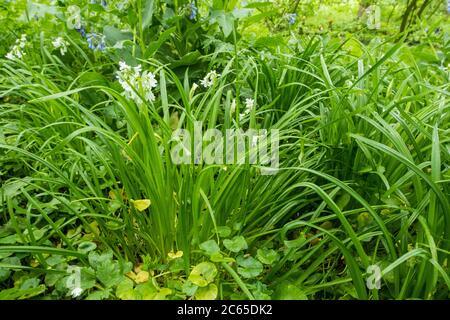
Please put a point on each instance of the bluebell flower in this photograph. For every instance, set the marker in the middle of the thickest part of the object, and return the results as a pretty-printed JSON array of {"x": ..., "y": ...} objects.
[
  {"x": 101, "y": 45},
  {"x": 291, "y": 18},
  {"x": 103, "y": 3},
  {"x": 193, "y": 11},
  {"x": 96, "y": 41},
  {"x": 90, "y": 40},
  {"x": 81, "y": 31}
]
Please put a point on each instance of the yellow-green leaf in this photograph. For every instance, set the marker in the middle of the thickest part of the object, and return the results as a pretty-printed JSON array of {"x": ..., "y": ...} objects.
[
  {"x": 206, "y": 293},
  {"x": 125, "y": 290},
  {"x": 142, "y": 277},
  {"x": 175, "y": 255},
  {"x": 141, "y": 205},
  {"x": 203, "y": 274}
]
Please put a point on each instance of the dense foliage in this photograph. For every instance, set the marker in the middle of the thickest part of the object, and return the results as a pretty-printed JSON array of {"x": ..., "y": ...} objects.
[{"x": 93, "y": 207}]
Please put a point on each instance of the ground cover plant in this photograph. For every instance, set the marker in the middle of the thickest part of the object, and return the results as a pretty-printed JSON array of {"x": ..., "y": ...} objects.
[{"x": 94, "y": 204}]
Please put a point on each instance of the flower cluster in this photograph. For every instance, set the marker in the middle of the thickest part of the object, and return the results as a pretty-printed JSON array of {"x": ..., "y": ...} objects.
[
  {"x": 193, "y": 10},
  {"x": 17, "y": 49},
  {"x": 291, "y": 17},
  {"x": 249, "y": 105},
  {"x": 61, "y": 44},
  {"x": 136, "y": 83},
  {"x": 96, "y": 41},
  {"x": 209, "y": 79}
]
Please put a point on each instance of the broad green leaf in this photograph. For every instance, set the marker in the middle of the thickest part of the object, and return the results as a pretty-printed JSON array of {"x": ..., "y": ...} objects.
[
  {"x": 99, "y": 295},
  {"x": 124, "y": 290},
  {"x": 162, "y": 294},
  {"x": 210, "y": 247},
  {"x": 147, "y": 15},
  {"x": 109, "y": 273},
  {"x": 224, "y": 231},
  {"x": 207, "y": 293},
  {"x": 218, "y": 257},
  {"x": 155, "y": 45},
  {"x": 288, "y": 291},
  {"x": 267, "y": 256},
  {"x": 12, "y": 239},
  {"x": 249, "y": 267},
  {"x": 146, "y": 291},
  {"x": 235, "y": 244},
  {"x": 225, "y": 21},
  {"x": 114, "y": 35},
  {"x": 15, "y": 293},
  {"x": 188, "y": 59},
  {"x": 189, "y": 288},
  {"x": 96, "y": 259}
]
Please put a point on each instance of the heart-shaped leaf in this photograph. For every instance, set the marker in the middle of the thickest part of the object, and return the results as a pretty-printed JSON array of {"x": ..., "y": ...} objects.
[
  {"x": 236, "y": 244},
  {"x": 267, "y": 256},
  {"x": 210, "y": 247}
]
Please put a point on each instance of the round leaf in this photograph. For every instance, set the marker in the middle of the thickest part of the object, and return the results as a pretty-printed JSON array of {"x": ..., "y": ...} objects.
[
  {"x": 203, "y": 274},
  {"x": 249, "y": 267},
  {"x": 207, "y": 293}
]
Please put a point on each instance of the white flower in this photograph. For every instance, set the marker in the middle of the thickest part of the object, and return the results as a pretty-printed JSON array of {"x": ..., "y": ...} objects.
[
  {"x": 16, "y": 50},
  {"x": 148, "y": 82},
  {"x": 249, "y": 104},
  {"x": 61, "y": 44},
  {"x": 137, "y": 69},
  {"x": 209, "y": 79},
  {"x": 76, "y": 292},
  {"x": 136, "y": 84}
]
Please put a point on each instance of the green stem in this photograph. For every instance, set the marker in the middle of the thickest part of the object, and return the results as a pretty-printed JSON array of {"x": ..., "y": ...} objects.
[{"x": 238, "y": 280}]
